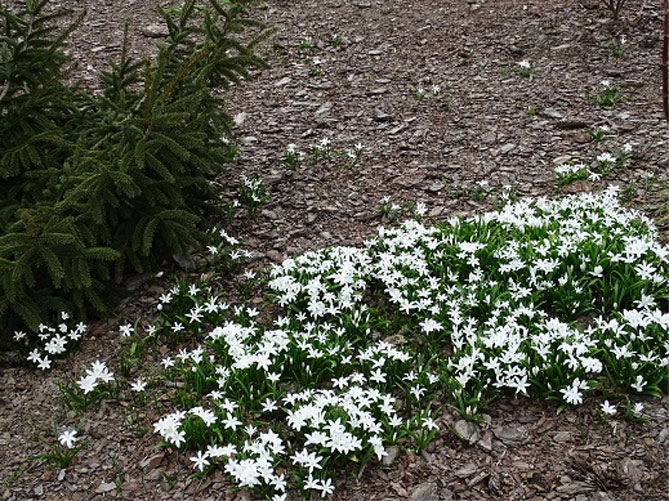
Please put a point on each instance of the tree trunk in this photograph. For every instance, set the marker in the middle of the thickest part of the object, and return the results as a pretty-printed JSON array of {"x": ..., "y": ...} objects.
[{"x": 665, "y": 62}]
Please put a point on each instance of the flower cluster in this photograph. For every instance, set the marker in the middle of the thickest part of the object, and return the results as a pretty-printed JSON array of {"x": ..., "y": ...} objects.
[
  {"x": 293, "y": 157},
  {"x": 420, "y": 92},
  {"x": 252, "y": 193},
  {"x": 90, "y": 388},
  {"x": 567, "y": 173},
  {"x": 507, "y": 290},
  {"x": 525, "y": 69},
  {"x": 96, "y": 374},
  {"x": 605, "y": 95},
  {"x": 393, "y": 210},
  {"x": 605, "y": 163},
  {"x": 52, "y": 341},
  {"x": 618, "y": 47},
  {"x": 551, "y": 298},
  {"x": 224, "y": 253},
  {"x": 323, "y": 149}
]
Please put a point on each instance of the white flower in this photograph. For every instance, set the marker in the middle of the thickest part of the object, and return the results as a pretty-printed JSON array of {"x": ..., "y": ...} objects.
[
  {"x": 597, "y": 271},
  {"x": 572, "y": 394},
  {"x": 378, "y": 376},
  {"x": 608, "y": 409},
  {"x": 126, "y": 330},
  {"x": 395, "y": 421},
  {"x": 250, "y": 430},
  {"x": 138, "y": 385},
  {"x": 606, "y": 157},
  {"x": 167, "y": 362},
  {"x": 88, "y": 383},
  {"x": 231, "y": 422},
  {"x": 200, "y": 461},
  {"x": 106, "y": 376},
  {"x": 44, "y": 363},
  {"x": 524, "y": 64},
  {"x": 420, "y": 209},
  {"x": 307, "y": 459},
  {"x": 418, "y": 392},
  {"x": 269, "y": 405},
  {"x": 326, "y": 487},
  {"x": 429, "y": 423},
  {"x": 97, "y": 369},
  {"x": 34, "y": 356},
  {"x": 68, "y": 438},
  {"x": 430, "y": 325},
  {"x": 639, "y": 384}
]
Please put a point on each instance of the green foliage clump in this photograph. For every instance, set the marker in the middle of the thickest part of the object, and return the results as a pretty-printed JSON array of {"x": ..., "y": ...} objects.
[
  {"x": 615, "y": 7},
  {"x": 95, "y": 184}
]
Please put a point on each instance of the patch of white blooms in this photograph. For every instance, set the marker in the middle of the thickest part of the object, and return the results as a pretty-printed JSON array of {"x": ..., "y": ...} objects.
[
  {"x": 350, "y": 416},
  {"x": 566, "y": 169},
  {"x": 96, "y": 374},
  {"x": 253, "y": 188},
  {"x": 520, "y": 300},
  {"x": 604, "y": 162},
  {"x": 52, "y": 341}
]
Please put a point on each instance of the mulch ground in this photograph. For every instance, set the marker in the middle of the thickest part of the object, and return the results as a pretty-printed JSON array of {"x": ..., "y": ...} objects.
[{"x": 348, "y": 71}]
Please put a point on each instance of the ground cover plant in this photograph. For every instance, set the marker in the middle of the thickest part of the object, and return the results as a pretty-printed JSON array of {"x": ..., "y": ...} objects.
[
  {"x": 558, "y": 299},
  {"x": 525, "y": 69},
  {"x": 97, "y": 184},
  {"x": 603, "y": 165}
]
